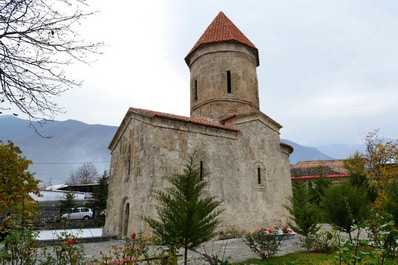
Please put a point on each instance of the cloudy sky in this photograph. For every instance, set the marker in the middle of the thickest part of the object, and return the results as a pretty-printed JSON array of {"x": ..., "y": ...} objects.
[{"x": 328, "y": 69}]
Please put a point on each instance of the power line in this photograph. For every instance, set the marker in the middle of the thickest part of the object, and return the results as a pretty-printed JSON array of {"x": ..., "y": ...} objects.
[{"x": 68, "y": 163}]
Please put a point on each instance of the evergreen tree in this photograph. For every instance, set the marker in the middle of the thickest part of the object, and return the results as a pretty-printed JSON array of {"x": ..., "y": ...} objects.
[
  {"x": 186, "y": 217},
  {"x": 391, "y": 203},
  {"x": 318, "y": 187},
  {"x": 304, "y": 213},
  {"x": 361, "y": 180},
  {"x": 100, "y": 195},
  {"x": 68, "y": 203},
  {"x": 345, "y": 205}
]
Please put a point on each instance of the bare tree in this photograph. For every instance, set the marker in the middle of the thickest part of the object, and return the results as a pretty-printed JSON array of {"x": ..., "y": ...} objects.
[
  {"x": 85, "y": 174},
  {"x": 37, "y": 39}
]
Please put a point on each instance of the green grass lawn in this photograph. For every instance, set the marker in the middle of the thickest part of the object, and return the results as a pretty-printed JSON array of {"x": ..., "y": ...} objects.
[{"x": 308, "y": 258}]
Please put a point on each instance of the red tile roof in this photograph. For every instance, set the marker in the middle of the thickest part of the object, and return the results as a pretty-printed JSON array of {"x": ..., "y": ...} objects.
[
  {"x": 288, "y": 145},
  {"x": 183, "y": 118},
  {"x": 313, "y": 171},
  {"x": 222, "y": 30},
  {"x": 238, "y": 114},
  {"x": 326, "y": 176}
]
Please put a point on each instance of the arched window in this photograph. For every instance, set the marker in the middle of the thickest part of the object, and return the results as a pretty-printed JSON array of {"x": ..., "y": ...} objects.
[{"x": 259, "y": 174}]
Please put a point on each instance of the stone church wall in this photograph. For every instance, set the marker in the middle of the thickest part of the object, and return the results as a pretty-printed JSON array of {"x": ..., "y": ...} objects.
[{"x": 158, "y": 147}]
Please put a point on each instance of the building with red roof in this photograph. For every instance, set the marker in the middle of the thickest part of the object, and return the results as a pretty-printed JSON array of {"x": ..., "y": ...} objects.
[
  {"x": 236, "y": 146},
  {"x": 308, "y": 170}
]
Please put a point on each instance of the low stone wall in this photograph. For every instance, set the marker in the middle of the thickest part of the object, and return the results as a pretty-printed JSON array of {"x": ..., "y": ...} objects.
[
  {"x": 49, "y": 214},
  {"x": 72, "y": 224}
]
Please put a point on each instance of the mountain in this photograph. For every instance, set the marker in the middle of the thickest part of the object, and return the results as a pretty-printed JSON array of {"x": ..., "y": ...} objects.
[
  {"x": 341, "y": 151},
  {"x": 305, "y": 153},
  {"x": 71, "y": 144}
]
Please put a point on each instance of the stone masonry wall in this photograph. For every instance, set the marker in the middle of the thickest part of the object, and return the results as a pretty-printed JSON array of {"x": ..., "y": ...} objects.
[
  {"x": 208, "y": 66},
  {"x": 159, "y": 147}
]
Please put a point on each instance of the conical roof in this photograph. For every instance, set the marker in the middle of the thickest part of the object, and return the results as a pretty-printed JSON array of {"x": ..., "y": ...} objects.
[{"x": 222, "y": 30}]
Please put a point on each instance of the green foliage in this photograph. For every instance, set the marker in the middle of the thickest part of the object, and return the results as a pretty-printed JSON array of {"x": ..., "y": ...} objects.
[
  {"x": 68, "y": 203},
  {"x": 19, "y": 245},
  {"x": 346, "y": 205},
  {"x": 68, "y": 252},
  {"x": 303, "y": 258},
  {"x": 383, "y": 234},
  {"x": 320, "y": 242},
  {"x": 391, "y": 202},
  {"x": 134, "y": 251},
  {"x": 383, "y": 237},
  {"x": 16, "y": 183},
  {"x": 323, "y": 242},
  {"x": 266, "y": 242},
  {"x": 100, "y": 195},
  {"x": 186, "y": 217},
  {"x": 318, "y": 187},
  {"x": 360, "y": 180},
  {"x": 355, "y": 163},
  {"x": 303, "y": 213}
]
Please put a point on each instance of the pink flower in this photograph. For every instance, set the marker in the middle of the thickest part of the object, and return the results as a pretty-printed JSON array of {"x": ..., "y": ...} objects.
[
  {"x": 259, "y": 229},
  {"x": 290, "y": 231},
  {"x": 286, "y": 226},
  {"x": 133, "y": 236},
  {"x": 270, "y": 229},
  {"x": 70, "y": 241}
]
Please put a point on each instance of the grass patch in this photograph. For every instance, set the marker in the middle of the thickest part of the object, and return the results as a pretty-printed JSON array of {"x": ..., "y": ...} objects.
[{"x": 309, "y": 258}]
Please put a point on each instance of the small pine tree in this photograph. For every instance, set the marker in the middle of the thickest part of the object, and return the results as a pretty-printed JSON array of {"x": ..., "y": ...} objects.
[
  {"x": 100, "y": 195},
  {"x": 68, "y": 203},
  {"x": 304, "y": 213},
  {"x": 361, "y": 180},
  {"x": 318, "y": 187},
  {"x": 345, "y": 205},
  {"x": 186, "y": 217}
]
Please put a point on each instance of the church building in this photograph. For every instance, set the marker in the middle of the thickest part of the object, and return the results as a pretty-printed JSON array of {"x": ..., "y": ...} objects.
[{"x": 237, "y": 147}]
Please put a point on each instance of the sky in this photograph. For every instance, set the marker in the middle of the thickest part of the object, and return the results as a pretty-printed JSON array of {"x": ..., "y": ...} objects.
[{"x": 327, "y": 74}]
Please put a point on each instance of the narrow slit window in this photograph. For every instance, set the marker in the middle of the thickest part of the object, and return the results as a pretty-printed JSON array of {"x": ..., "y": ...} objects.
[
  {"x": 201, "y": 170},
  {"x": 129, "y": 161},
  {"x": 195, "y": 90},
  {"x": 258, "y": 175},
  {"x": 229, "y": 88}
]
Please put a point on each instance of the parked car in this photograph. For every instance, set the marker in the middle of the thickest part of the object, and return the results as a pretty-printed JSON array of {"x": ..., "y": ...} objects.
[{"x": 79, "y": 213}]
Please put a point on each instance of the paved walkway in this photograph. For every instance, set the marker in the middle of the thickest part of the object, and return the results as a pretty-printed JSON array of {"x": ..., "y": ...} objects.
[{"x": 235, "y": 251}]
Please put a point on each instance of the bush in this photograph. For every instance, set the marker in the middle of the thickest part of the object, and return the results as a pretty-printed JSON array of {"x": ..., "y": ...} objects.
[
  {"x": 19, "y": 245},
  {"x": 134, "y": 250},
  {"x": 266, "y": 242},
  {"x": 324, "y": 242},
  {"x": 68, "y": 252}
]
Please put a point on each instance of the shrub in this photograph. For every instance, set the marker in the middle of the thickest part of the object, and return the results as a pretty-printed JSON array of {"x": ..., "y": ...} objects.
[
  {"x": 68, "y": 252},
  {"x": 324, "y": 242},
  {"x": 266, "y": 242},
  {"x": 19, "y": 245},
  {"x": 134, "y": 250}
]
